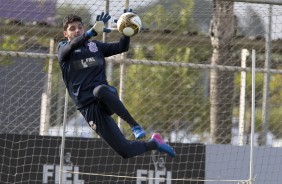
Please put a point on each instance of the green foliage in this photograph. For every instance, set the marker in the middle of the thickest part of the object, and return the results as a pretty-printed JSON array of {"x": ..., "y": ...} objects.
[
  {"x": 170, "y": 15},
  {"x": 275, "y": 122},
  {"x": 275, "y": 107},
  {"x": 164, "y": 94},
  {"x": 9, "y": 43},
  {"x": 275, "y": 114}
]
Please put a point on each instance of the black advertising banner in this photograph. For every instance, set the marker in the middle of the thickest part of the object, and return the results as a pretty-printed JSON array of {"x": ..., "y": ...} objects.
[{"x": 36, "y": 159}]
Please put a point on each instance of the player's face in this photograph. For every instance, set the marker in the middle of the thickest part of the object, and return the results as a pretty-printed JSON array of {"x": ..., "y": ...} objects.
[{"x": 74, "y": 29}]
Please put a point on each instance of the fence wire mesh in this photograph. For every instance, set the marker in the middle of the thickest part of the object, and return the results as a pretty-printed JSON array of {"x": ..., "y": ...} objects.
[{"x": 183, "y": 74}]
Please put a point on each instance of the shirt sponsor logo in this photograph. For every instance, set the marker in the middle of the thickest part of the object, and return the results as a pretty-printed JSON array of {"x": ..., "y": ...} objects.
[
  {"x": 85, "y": 63},
  {"x": 88, "y": 62}
]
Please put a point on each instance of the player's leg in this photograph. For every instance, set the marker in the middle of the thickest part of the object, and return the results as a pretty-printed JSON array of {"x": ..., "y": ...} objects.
[
  {"x": 111, "y": 103},
  {"x": 105, "y": 126},
  {"x": 112, "y": 135}
]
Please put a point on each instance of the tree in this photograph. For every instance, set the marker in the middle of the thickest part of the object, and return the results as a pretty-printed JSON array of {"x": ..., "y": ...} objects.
[
  {"x": 222, "y": 32},
  {"x": 169, "y": 15},
  {"x": 166, "y": 95}
]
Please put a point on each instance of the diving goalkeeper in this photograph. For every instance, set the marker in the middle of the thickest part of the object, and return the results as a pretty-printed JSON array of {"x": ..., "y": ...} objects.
[{"x": 83, "y": 67}]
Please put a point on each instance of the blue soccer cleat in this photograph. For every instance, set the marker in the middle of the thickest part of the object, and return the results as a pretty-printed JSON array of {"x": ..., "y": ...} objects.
[
  {"x": 162, "y": 146},
  {"x": 138, "y": 132}
]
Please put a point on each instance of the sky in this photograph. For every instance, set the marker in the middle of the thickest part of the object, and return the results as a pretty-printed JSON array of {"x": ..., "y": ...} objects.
[{"x": 241, "y": 9}]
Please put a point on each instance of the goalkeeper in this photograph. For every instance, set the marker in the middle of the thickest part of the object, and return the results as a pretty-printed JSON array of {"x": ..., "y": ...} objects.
[{"x": 83, "y": 66}]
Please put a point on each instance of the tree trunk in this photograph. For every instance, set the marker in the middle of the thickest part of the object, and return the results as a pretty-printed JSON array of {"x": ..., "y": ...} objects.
[{"x": 222, "y": 31}]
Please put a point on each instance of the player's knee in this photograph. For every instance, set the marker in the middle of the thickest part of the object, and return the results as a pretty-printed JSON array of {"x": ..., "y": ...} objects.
[
  {"x": 103, "y": 91},
  {"x": 100, "y": 90}
]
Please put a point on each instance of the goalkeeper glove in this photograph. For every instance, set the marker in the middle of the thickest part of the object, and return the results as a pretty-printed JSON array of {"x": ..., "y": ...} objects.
[{"x": 99, "y": 25}]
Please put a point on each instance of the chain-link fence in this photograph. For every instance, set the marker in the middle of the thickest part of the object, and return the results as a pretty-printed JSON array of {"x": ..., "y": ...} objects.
[{"x": 186, "y": 74}]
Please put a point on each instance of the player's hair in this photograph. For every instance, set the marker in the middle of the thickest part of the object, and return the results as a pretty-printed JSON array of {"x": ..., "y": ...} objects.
[{"x": 70, "y": 19}]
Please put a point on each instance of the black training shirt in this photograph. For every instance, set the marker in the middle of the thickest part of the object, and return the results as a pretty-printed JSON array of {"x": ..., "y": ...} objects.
[{"x": 83, "y": 65}]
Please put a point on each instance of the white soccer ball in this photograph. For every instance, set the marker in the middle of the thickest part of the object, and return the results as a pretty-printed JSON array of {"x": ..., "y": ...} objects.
[{"x": 129, "y": 24}]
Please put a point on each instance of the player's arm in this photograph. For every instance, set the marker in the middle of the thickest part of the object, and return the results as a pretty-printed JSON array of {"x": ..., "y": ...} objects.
[
  {"x": 110, "y": 49},
  {"x": 65, "y": 48}
]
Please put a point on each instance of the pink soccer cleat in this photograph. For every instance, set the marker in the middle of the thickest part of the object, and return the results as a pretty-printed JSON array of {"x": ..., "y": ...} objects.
[{"x": 162, "y": 146}]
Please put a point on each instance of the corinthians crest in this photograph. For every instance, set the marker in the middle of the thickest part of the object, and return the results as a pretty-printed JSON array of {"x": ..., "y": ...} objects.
[{"x": 92, "y": 47}]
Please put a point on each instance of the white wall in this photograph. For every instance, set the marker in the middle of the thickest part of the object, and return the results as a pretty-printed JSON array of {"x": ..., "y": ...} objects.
[{"x": 227, "y": 162}]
